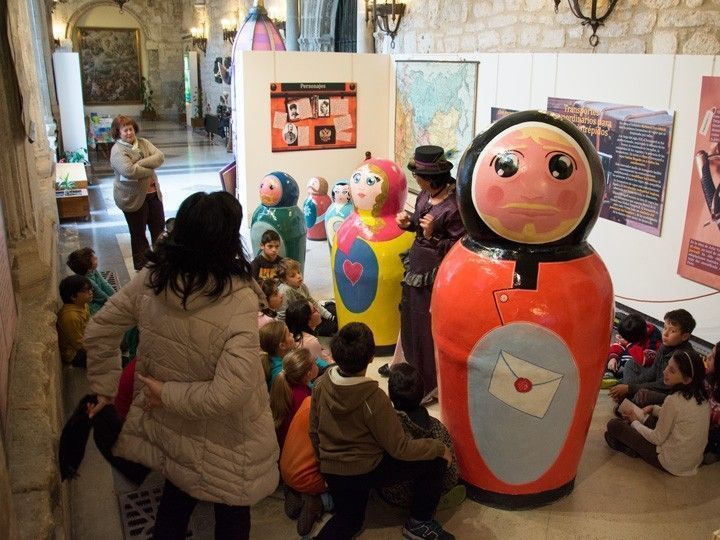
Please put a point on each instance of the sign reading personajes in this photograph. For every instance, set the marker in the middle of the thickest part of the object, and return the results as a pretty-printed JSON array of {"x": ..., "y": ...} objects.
[
  {"x": 634, "y": 147},
  {"x": 313, "y": 116},
  {"x": 700, "y": 251},
  {"x": 435, "y": 104}
]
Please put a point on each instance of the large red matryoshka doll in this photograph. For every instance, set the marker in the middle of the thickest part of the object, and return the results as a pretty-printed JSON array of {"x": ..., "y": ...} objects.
[{"x": 522, "y": 310}]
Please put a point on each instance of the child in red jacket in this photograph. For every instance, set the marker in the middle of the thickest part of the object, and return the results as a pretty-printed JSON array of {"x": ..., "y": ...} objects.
[{"x": 637, "y": 341}]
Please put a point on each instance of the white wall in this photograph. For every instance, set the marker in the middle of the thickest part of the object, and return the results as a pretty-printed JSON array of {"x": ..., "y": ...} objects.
[
  {"x": 254, "y": 72},
  {"x": 642, "y": 266}
]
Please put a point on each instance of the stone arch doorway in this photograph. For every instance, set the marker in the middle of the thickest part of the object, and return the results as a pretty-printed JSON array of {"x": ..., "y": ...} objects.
[{"x": 328, "y": 25}]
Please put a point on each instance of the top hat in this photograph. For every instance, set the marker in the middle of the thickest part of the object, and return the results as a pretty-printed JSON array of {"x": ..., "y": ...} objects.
[{"x": 429, "y": 160}]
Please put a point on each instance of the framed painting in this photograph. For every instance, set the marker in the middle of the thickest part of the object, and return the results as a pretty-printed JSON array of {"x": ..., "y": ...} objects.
[{"x": 110, "y": 65}]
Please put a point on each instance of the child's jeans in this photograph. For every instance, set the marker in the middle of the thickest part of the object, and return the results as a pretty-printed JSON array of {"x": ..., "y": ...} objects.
[{"x": 350, "y": 493}]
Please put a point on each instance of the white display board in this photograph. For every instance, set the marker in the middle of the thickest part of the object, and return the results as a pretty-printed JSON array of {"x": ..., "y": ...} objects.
[{"x": 68, "y": 85}]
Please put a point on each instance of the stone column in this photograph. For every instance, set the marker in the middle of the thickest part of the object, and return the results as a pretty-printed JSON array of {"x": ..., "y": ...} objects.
[
  {"x": 365, "y": 41},
  {"x": 292, "y": 28}
]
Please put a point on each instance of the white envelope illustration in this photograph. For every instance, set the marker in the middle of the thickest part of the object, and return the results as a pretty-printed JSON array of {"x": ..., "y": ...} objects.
[{"x": 523, "y": 385}]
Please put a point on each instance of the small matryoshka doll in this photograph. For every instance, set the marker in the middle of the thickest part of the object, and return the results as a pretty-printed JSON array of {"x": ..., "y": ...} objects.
[
  {"x": 522, "y": 310},
  {"x": 278, "y": 210},
  {"x": 339, "y": 210},
  {"x": 315, "y": 208},
  {"x": 365, "y": 260}
]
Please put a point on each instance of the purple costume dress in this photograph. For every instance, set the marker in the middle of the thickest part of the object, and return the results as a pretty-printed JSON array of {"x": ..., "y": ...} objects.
[{"x": 421, "y": 265}]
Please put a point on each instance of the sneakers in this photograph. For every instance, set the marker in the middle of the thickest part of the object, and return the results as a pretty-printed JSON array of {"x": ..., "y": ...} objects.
[
  {"x": 425, "y": 530},
  {"x": 608, "y": 382},
  {"x": 312, "y": 510},
  {"x": 384, "y": 370},
  {"x": 616, "y": 445},
  {"x": 452, "y": 498},
  {"x": 293, "y": 502}
]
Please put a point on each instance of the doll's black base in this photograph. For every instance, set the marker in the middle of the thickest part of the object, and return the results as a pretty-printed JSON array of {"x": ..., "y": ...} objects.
[{"x": 518, "y": 502}]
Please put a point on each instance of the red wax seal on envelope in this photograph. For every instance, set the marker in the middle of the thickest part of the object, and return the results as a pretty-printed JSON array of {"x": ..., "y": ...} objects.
[{"x": 523, "y": 385}]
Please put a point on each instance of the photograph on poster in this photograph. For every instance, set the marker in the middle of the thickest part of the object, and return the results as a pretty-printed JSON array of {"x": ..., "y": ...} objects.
[
  {"x": 313, "y": 116},
  {"x": 634, "y": 147},
  {"x": 700, "y": 251}
]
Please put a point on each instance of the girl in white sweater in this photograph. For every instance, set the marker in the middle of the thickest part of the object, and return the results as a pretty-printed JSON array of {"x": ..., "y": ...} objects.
[{"x": 674, "y": 436}]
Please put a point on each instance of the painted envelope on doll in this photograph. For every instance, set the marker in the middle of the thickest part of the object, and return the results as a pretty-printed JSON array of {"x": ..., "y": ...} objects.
[{"x": 523, "y": 385}]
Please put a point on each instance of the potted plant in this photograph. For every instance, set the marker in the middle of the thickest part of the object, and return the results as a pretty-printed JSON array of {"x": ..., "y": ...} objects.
[
  {"x": 79, "y": 156},
  {"x": 148, "y": 112},
  {"x": 64, "y": 184},
  {"x": 199, "y": 119}
]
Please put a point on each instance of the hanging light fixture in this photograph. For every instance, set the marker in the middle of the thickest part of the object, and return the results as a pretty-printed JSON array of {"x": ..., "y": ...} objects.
[
  {"x": 198, "y": 38},
  {"x": 387, "y": 17},
  {"x": 229, "y": 28},
  {"x": 121, "y": 3},
  {"x": 593, "y": 19}
]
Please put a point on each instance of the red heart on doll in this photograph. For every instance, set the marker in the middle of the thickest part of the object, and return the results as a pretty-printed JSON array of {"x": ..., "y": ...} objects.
[{"x": 353, "y": 271}]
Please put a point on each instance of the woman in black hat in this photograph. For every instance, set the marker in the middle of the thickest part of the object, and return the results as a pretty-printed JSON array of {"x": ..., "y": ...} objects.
[{"x": 437, "y": 226}]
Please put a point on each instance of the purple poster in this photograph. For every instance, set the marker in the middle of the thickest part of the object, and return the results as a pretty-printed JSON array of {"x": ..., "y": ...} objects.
[{"x": 634, "y": 147}]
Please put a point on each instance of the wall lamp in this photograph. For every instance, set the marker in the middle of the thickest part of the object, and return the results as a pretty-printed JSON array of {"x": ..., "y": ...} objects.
[
  {"x": 594, "y": 20},
  {"x": 198, "y": 39},
  {"x": 229, "y": 28},
  {"x": 386, "y": 17}
]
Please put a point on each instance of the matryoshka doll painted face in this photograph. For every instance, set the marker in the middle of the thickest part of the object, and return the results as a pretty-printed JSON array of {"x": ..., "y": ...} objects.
[
  {"x": 317, "y": 186},
  {"x": 341, "y": 193},
  {"x": 532, "y": 183},
  {"x": 377, "y": 187},
  {"x": 278, "y": 189}
]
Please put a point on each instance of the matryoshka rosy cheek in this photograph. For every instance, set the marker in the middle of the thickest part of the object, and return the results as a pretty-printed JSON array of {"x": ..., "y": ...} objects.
[
  {"x": 365, "y": 187},
  {"x": 531, "y": 184},
  {"x": 270, "y": 191}
]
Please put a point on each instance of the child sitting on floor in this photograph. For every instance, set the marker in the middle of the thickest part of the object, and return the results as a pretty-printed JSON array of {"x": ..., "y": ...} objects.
[
  {"x": 265, "y": 265},
  {"x": 646, "y": 384},
  {"x": 276, "y": 341},
  {"x": 677, "y": 441},
  {"x": 290, "y": 388},
  {"x": 293, "y": 289},
  {"x": 637, "y": 341},
  {"x": 274, "y": 300},
  {"x": 361, "y": 445},
  {"x": 302, "y": 319},
  {"x": 84, "y": 263},
  {"x": 76, "y": 293},
  {"x": 405, "y": 388},
  {"x": 712, "y": 387}
]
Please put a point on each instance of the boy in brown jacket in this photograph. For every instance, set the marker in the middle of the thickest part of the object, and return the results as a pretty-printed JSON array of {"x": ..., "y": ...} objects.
[{"x": 361, "y": 445}]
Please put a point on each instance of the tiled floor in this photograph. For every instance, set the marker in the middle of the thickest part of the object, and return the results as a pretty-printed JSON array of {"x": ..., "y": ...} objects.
[{"x": 615, "y": 497}]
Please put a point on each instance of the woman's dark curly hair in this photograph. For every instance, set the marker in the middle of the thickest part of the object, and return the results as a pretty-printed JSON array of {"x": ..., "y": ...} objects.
[{"x": 204, "y": 250}]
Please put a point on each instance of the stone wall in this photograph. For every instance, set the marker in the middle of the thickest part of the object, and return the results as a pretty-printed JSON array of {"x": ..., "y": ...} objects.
[
  {"x": 635, "y": 26},
  {"x": 162, "y": 28}
]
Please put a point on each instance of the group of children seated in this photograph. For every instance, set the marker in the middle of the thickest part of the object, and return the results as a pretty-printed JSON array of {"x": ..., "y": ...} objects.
[
  {"x": 341, "y": 436},
  {"x": 668, "y": 396}
]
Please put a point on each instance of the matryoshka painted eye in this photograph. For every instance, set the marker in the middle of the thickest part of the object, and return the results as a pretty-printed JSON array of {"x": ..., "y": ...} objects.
[
  {"x": 506, "y": 164},
  {"x": 356, "y": 178},
  {"x": 561, "y": 166},
  {"x": 372, "y": 180}
]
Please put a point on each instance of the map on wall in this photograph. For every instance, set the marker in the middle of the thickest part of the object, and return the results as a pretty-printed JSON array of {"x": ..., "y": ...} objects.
[{"x": 435, "y": 104}]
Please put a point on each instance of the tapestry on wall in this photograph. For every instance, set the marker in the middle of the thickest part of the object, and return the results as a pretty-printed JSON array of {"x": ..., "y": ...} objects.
[
  {"x": 110, "y": 65},
  {"x": 634, "y": 147},
  {"x": 700, "y": 251},
  {"x": 435, "y": 104},
  {"x": 313, "y": 116}
]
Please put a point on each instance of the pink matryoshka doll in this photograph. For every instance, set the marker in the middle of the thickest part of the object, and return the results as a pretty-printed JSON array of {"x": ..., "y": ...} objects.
[
  {"x": 522, "y": 310},
  {"x": 315, "y": 208},
  {"x": 365, "y": 260}
]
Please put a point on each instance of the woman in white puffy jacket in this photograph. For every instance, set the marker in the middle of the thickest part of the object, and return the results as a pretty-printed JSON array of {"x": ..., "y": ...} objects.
[{"x": 200, "y": 413}]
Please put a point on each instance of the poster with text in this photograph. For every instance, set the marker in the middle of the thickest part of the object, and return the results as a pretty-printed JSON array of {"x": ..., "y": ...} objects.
[
  {"x": 313, "y": 116},
  {"x": 634, "y": 147},
  {"x": 496, "y": 113},
  {"x": 700, "y": 252}
]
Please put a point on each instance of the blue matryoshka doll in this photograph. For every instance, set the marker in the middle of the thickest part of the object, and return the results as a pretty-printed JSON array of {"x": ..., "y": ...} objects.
[
  {"x": 339, "y": 210},
  {"x": 278, "y": 211},
  {"x": 365, "y": 256},
  {"x": 522, "y": 310}
]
